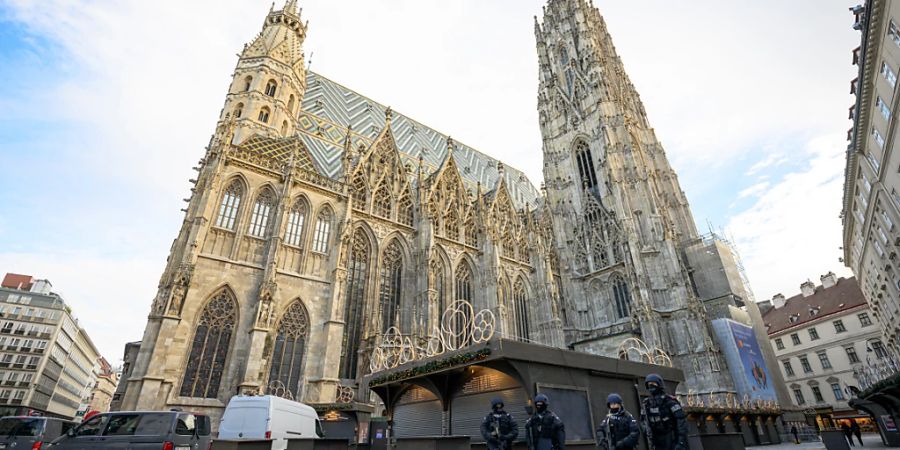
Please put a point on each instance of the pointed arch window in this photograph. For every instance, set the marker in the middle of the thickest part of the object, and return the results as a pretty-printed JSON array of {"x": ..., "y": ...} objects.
[
  {"x": 391, "y": 285},
  {"x": 323, "y": 231},
  {"x": 520, "y": 303},
  {"x": 570, "y": 77},
  {"x": 509, "y": 245},
  {"x": 451, "y": 223},
  {"x": 231, "y": 202},
  {"x": 585, "y": 162},
  {"x": 359, "y": 192},
  {"x": 262, "y": 213},
  {"x": 523, "y": 249},
  {"x": 290, "y": 105},
  {"x": 464, "y": 282},
  {"x": 247, "y": 83},
  {"x": 471, "y": 232},
  {"x": 383, "y": 203},
  {"x": 354, "y": 303},
  {"x": 238, "y": 110},
  {"x": 289, "y": 349},
  {"x": 210, "y": 347},
  {"x": 621, "y": 297},
  {"x": 271, "y": 86},
  {"x": 405, "y": 210},
  {"x": 264, "y": 114},
  {"x": 284, "y": 128},
  {"x": 293, "y": 235}
]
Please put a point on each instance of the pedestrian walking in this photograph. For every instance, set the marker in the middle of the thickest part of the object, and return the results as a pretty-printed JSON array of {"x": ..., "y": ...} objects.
[
  {"x": 498, "y": 428},
  {"x": 855, "y": 429},
  {"x": 663, "y": 416},
  {"x": 619, "y": 430},
  {"x": 795, "y": 433},
  {"x": 544, "y": 430},
  {"x": 847, "y": 433}
]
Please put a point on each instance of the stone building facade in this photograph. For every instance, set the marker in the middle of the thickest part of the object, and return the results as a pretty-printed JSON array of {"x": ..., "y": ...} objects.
[
  {"x": 321, "y": 220},
  {"x": 822, "y": 337}
]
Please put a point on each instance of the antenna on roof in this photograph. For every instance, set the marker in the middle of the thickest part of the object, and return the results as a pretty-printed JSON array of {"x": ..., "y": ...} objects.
[{"x": 309, "y": 61}]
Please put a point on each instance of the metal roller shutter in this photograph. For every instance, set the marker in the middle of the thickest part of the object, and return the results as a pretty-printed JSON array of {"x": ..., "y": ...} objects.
[
  {"x": 418, "y": 413},
  {"x": 473, "y": 402}
]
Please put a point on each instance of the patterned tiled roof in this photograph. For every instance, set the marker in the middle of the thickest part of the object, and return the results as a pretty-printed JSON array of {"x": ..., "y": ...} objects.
[
  {"x": 824, "y": 302},
  {"x": 329, "y": 107}
]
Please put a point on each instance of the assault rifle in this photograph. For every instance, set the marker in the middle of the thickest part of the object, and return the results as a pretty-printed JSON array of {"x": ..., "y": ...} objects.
[{"x": 643, "y": 420}]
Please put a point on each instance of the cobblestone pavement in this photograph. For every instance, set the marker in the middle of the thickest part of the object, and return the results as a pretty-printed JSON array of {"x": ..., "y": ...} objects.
[{"x": 870, "y": 441}]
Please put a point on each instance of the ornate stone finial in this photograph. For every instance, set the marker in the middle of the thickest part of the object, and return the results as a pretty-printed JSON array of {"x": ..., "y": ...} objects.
[
  {"x": 501, "y": 170},
  {"x": 290, "y": 6},
  {"x": 450, "y": 146},
  {"x": 388, "y": 115}
]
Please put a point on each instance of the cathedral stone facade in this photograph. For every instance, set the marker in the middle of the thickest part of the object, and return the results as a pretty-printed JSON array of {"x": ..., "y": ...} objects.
[{"x": 319, "y": 220}]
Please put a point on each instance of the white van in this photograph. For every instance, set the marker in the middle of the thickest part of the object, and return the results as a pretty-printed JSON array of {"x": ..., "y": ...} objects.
[{"x": 269, "y": 417}]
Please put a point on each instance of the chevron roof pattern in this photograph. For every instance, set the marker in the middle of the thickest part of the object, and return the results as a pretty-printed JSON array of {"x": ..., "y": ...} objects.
[{"x": 329, "y": 107}]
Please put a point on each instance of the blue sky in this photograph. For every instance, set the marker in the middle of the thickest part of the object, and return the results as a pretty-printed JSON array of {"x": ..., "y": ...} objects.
[{"x": 106, "y": 105}]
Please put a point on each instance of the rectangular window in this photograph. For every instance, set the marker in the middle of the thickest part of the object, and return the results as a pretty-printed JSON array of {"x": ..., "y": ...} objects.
[
  {"x": 798, "y": 396},
  {"x": 823, "y": 359},
  {"x": 795, "y": 339},
  {"x": 851, "y": 354},
  {"x": 839, "y": 326},
  {"x": 880, "y": 351},
  {"x": 867, "y": 185},
  {"x": 838, "y": 393},
  {"x": 779, "y": 344},
  {"x": 259, "y": 220},
  {"x": 323, "y": 229},
  {"x": 879, "y": 139},
  {"x": 887, "y": 220},
  {"x": 813, "y": 334},
  {"x": 894, "y": 33},
  {"x": 817, "y": 393},
  {"x": 888, "y": 74},
  {"x": 879, "y": 249},
  {"x": 294, "y": 232},
  {"x": 883, "y": 108},
  {"x": 873, "y": 161},
  {"x": 788, "y": 368},
  {"x": 864, "y": 319},
  {"x": 804, "y": 362}
]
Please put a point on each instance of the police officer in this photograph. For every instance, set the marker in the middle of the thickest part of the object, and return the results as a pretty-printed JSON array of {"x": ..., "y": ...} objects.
[
  {"x": 664, "y": 417},
  {"x": 619, "y": 430},
  {"x": 545, "y": 430},
  {"x": 498, "y": 428}
]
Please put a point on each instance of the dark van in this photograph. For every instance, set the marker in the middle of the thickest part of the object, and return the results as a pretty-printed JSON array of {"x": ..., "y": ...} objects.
[
  {"x": 138, "y": 430},
  {"x": 31, "y": 433}
]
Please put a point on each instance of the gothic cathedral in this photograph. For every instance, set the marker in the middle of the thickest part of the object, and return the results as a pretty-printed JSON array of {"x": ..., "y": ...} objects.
[{"x": 321, "y": 220}]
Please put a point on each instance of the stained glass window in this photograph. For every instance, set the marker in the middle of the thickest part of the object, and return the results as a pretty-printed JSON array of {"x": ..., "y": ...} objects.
[
  {"x": 210, "y": 347},
  {"x": 228, "y": 209},
  {"x": 464, "y": 282},
  {"x": 354, "y": 303},
  {"x": 391, "y": 278},
  {"x": 471, "y": 232},
  {"x": 262, "y": 212},
  {"x": 520, "y": 303},
  {"x": 293, "y": 235},
  {"x": 288, "y": 351}
]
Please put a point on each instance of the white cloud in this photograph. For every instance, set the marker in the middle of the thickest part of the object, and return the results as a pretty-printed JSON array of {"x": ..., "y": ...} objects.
[
  {"x": 771, "y": 161},
  {"x": 754, "y": 190},
  {"x": 793, "y": 231}
]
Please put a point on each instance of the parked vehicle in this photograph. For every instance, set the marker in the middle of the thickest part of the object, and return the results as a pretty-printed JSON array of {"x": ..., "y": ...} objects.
[
  {"x": 138, "y": 430},
  {"x": 31, "y": 433},
  {"x": 269, "y": 417}
]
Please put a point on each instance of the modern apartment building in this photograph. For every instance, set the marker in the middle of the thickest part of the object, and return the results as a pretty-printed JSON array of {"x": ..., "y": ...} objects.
[
  {"x": 820, "y": 336},
  {"x": 103, "y": 391},
  {"x": 48, "y": 364}
]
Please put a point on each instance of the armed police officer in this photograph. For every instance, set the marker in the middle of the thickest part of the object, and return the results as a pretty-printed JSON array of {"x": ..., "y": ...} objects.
[
  {"x": 619, "y": 430},
  {"x": 663, "y": 415},
  {"x": 544, "y": 430},
  {"x": 498, "y": 428}
]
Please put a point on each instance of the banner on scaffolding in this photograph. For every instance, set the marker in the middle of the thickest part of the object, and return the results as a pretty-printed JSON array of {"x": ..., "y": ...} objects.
[{"x": 745, "y": 360}]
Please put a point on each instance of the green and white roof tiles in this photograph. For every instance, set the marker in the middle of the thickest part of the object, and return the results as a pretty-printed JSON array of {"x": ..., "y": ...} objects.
[{"x": 329, "y": 107}]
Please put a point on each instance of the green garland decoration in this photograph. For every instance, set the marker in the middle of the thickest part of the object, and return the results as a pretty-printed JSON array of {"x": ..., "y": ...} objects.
[
  {"x": 433, "y": 366},
  {"x": 320, "y": 407}
]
